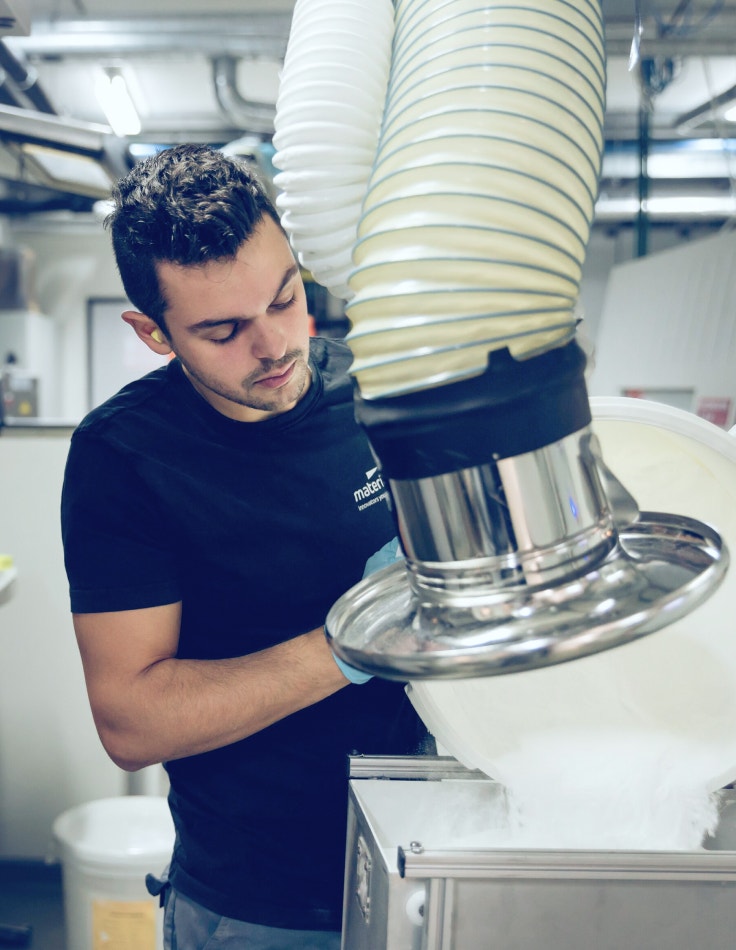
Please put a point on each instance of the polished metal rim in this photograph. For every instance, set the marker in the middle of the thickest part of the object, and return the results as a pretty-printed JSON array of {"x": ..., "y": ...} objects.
[{"x": 662, "y": 567}]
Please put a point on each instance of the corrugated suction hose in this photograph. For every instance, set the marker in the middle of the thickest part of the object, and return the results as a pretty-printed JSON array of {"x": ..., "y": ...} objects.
[
  {"x": 328, "y": 119},
  {"x": 476, "y": 210}
]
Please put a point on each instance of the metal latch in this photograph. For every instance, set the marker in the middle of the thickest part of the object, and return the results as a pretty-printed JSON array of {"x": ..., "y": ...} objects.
[{"x": 363, "y": 878}]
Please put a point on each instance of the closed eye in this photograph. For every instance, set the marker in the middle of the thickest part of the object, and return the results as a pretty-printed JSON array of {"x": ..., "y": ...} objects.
[
  {"x": 234, "y": 330},
  {"x": 283, "y": 304}
]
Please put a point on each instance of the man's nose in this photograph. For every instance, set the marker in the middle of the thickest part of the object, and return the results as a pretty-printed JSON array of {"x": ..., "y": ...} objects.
[{"x": 268, "y": 341}]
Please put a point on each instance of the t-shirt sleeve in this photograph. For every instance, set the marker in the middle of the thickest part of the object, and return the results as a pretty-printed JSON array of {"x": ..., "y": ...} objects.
[{"x": 116, "y": 550}]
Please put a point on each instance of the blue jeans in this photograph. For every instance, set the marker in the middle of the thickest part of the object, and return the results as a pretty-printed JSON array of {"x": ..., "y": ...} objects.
[{"x": 189, "y": 926}]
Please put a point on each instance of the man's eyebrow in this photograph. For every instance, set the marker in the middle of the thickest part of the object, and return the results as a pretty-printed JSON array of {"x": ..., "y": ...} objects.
[{"x": 289, "y": 274}]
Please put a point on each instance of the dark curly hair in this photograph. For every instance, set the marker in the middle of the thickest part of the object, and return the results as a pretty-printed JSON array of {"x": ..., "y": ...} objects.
[{"x": 188, "y": 204}]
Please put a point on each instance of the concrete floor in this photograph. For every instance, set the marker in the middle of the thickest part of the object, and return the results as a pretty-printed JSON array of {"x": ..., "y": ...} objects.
[{"x": 31, "y": 896}]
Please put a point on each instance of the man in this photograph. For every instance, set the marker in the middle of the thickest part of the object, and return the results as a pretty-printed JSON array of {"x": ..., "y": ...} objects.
[{"x": 210, "y": 518}]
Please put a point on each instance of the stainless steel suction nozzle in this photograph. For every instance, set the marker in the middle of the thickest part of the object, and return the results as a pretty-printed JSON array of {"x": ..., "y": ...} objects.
[{"x": 519, "y": 562}]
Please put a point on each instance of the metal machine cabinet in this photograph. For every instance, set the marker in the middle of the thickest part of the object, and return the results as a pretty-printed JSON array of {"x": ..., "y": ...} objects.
[{"x": 413, "y": 881}]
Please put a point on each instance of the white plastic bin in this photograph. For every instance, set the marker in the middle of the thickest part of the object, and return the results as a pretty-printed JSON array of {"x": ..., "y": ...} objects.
[{"x": 106, "y": 849}]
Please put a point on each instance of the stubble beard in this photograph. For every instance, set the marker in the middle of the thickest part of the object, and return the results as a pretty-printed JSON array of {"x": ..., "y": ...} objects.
[{"x": 248, "y": 394}]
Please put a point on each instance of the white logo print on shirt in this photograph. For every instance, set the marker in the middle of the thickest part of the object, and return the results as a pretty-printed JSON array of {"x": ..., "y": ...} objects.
[{"x": 372, "y": 492}]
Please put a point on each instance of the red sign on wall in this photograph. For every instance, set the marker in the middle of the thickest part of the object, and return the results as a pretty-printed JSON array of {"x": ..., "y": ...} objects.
[{"x": 716, "y": 409}]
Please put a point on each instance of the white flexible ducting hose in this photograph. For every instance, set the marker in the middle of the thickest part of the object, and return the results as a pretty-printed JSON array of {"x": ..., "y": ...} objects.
[
  {"x": 328, "y": 118},
  {"x": 477, "y": 208}
]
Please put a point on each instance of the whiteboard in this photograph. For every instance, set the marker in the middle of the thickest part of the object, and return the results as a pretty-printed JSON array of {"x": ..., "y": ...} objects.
[{"x": 115, "y": 354}]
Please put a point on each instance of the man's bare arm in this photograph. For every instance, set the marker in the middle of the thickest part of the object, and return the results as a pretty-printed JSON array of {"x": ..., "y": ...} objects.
[{"x": 150, "y": 707}]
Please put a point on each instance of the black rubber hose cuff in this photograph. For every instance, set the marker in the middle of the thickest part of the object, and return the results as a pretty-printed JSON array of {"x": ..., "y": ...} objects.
[{"x": 513, "y": 407}]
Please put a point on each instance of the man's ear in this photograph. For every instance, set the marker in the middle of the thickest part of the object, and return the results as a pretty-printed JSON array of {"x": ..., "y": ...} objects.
[{"x": 148, "y": 331}]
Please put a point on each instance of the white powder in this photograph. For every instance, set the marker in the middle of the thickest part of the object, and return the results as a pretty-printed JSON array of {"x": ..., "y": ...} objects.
[
  {"x": 627, "y": 787},
  {"x": 572, "y": 791},
  {"x": 626, "y": 749}
]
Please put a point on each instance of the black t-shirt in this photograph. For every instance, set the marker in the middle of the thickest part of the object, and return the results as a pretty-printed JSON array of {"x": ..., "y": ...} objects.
[{"x": 257, "y": 528}]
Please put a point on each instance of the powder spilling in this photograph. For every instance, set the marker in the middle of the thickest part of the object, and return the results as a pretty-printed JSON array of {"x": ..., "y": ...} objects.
[
  {"x": 607, "y": 792},
  {"x": 615, "y": 780},
  {"x": 628, "y": 748}
]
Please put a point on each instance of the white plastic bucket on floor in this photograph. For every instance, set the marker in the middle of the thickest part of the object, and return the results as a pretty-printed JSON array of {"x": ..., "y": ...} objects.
[{"x": 106, "y": 849}]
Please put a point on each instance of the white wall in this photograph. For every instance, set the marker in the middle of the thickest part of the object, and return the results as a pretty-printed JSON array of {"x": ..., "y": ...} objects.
[
  {"x": 668, "y": 327},
  {"x": 74, "y": 262},
  {"x": 50, "y": 755}
]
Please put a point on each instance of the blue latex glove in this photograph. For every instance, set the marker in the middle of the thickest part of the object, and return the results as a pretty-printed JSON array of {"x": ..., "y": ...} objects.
[
  {"x": 350, "y": 673},
  {"x": 388, "y": 554}
]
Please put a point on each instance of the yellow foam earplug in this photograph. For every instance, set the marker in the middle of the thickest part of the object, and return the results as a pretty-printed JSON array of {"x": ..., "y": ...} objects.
[
  {"x": 6, "y": 562},
  {"x": 156, "y": 335}
]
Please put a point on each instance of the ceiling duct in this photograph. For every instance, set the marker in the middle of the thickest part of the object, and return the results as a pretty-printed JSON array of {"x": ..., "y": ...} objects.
[
  {"x": 257, "y": 34},
  {"x": 15, "y": 18},
  {"x": 29, "y": 126},
  {"x": 80, "y": 158},
  {"x": 50, "y": 152},
  {"x": 243, "y": 113}
]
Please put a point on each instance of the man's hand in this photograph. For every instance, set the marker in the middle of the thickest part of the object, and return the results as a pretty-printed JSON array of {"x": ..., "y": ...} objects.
[{"x": 388, "y": 554}]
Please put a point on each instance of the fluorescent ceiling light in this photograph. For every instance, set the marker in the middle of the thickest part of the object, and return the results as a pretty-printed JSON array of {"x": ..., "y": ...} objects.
[
  {"x": 730, "y": 114},
  {"x": 694, "y": 158},
  {"x": 670, "y": 206},
  {"x": 114, "y": 98}
]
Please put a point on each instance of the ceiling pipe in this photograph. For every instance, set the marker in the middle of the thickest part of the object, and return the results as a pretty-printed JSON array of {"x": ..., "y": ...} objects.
[
  {"x": 264, "y": 34},
  {"x": 268, "y": 31},
  {"x": 707, "y": 113},
  {"x": 713, "y": 39},
  {"x": 247, "y": 114},
  {"x": 22, "y": 83},
  {"x": 31, "y": 118}
]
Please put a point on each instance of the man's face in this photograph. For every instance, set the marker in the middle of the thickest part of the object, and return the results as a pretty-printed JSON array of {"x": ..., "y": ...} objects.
[{"x": 240, "y": 327}]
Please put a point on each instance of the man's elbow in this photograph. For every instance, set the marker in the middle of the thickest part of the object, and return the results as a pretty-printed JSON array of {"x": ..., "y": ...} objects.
[
  {"x": 127, "y": 751},
  {"x": 130, "y": 764}
]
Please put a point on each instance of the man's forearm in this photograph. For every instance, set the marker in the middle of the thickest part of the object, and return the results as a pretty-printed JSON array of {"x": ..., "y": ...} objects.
[{"x": 177, "y": 707}]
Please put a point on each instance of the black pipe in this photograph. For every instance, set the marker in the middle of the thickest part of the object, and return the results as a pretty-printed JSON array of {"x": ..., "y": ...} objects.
[
  {"x": 25, "y": 82},
  {"x": 642, "y": 215}
]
